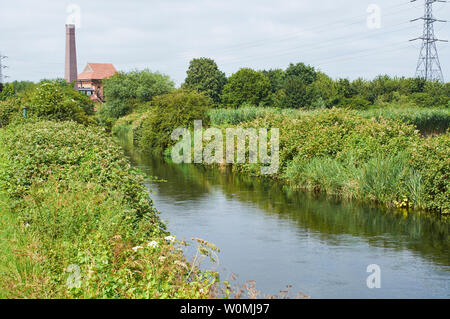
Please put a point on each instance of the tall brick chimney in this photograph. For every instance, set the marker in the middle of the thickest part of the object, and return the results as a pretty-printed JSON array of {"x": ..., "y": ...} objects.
[{"x": 71, "y": 73}]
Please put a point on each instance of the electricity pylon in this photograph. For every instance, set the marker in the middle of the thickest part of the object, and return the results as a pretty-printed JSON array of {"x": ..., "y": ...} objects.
[
  {"x": 428, "y": 66},
  {"x": 1, "y": 68}
]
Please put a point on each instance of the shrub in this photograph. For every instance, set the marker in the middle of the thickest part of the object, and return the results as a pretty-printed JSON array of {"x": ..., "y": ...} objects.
[
  {"x": 170, "y": 111},
  {"x": 431, "y": 158},
  {"x": 342, "y": 153},
  {"x": 59, "y": 101},
  {"x": 354, "y": 103},
  {"x": 10, "y": 110}
]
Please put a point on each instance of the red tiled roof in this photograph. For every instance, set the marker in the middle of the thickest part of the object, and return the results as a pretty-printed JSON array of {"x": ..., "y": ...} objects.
[{"x": 97, "y": 71}]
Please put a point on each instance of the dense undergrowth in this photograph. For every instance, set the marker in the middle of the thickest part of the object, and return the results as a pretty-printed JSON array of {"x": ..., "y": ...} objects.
[
  {"x": 77, "y": 221},
  {"x": 360, "y": 155},
  {"x": 427, "y": 120}
]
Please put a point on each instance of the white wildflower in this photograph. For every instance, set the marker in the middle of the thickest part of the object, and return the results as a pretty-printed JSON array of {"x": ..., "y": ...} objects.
[
  {"x": 170, "y": 238},
  {"x": 137, "y": 248},
  {"x": 152, "y": 244},
  {"x": 182, "y": 264}
]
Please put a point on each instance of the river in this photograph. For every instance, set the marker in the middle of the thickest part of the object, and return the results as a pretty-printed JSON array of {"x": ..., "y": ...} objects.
[{"x": 277, "y": 237}]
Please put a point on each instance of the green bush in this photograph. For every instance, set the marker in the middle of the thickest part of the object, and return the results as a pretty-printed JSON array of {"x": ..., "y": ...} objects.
[
  {"x": 71, "y": 198},
  {"x": 168, "y": 112},
  {"x": 431, "y": 157},
  {"x": 342, "y": 153},
  {"x": 354, "y": 103},
  {"x": 59, "y": 101},
  {"x": 10, "y": 110}
]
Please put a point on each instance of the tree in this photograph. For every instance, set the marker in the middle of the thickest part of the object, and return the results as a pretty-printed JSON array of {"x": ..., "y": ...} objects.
[
  {"x": 322, "y": 91},
  {"x": 304, "y": 73},
  {"x": 246, "y": 86},
  {"x": 124, "y": 91},
  {"x": 203, "y": 75},
  {"x": 296, "y": 93},
  {"x": 276, "y": 78}
]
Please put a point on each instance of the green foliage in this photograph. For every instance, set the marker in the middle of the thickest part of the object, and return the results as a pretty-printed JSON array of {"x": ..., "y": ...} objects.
[
  {"x": 428, "y": 121},
  {"x": 276, "y": 78},
  {"x": 59, "y": 101},
  {"x": 204, "y": 75},
  {"x": 22, "y": 86},
  {"x": 71, "y": 198},
  {"x": 246, "y": 86},
  {"x": 296, "y": 93},
  {"x": 10, "y": 110},
  {"x": 7, "y": 91},
  {"x": 235, "y": 116},
  {"x": 432, "y": 158},
  {"x": 168, "y": 112},
  {"x": 304, "y": 73},
  {"x": 354, "y": 103},
  {"x": 125, "y": 91},
  {"x": 344, "y": 154}
]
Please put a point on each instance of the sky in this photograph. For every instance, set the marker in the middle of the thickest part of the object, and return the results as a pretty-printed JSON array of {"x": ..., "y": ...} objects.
[{"x": 344, "y": 39}]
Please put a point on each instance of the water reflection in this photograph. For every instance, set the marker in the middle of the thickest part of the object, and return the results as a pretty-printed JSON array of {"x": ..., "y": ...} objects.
[{"x": 313, "y": 226}]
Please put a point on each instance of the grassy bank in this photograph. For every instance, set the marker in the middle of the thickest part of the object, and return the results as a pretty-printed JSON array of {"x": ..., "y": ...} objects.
[
  {"x": 363, "y": 155},
  {"x": 77, "y": 222}
]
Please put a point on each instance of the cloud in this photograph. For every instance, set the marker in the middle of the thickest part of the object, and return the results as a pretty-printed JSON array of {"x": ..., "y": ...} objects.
[{"x": 164, "y": 35}]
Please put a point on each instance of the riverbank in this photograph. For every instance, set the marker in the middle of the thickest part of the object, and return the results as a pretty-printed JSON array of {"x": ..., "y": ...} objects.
[
  {"x": 276, "y": 236},
  {"x": 77, "y": 221},
  {"x": 344, "y": 153}
]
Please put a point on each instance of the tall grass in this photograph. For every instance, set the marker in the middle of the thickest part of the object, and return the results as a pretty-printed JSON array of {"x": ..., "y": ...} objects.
[
  {"x": 428, "y": 121},
  {"x": 384, "y": 179}
]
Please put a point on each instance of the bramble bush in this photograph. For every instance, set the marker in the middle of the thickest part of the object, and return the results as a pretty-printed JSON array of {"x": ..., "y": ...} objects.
[
  {"x": 345, "y": 154},
  {"x": 72, "y": 198},
  {"x": 56, "y": 100}
]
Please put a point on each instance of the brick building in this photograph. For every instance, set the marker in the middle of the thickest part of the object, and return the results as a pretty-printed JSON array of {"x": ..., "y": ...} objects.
[{"x": 90, "y": 80}]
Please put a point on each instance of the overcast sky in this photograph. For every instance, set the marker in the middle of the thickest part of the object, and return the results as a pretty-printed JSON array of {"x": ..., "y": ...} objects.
[{"x": 163, "y": 35}]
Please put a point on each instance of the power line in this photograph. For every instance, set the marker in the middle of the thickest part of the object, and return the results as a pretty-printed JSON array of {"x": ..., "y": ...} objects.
[
  {"x": 334, "y": 25},
  {"x": 428, "y": 66},
  {"x": 1, "y": 69}
]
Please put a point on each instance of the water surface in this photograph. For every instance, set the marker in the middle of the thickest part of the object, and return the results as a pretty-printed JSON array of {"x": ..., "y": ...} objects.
[{"x": 320, "y": 246}]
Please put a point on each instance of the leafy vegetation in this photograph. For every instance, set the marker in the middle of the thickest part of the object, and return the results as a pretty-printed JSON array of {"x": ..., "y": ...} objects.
[
  {"x": 342, "y": 153},
  {"x": 125, "y": 92},
  {"x": 246, "y": 86},
  {"x": 71, "y": 201},
  {"x": 204, "y": 76},
  {"x": 168, "y": 112}
]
